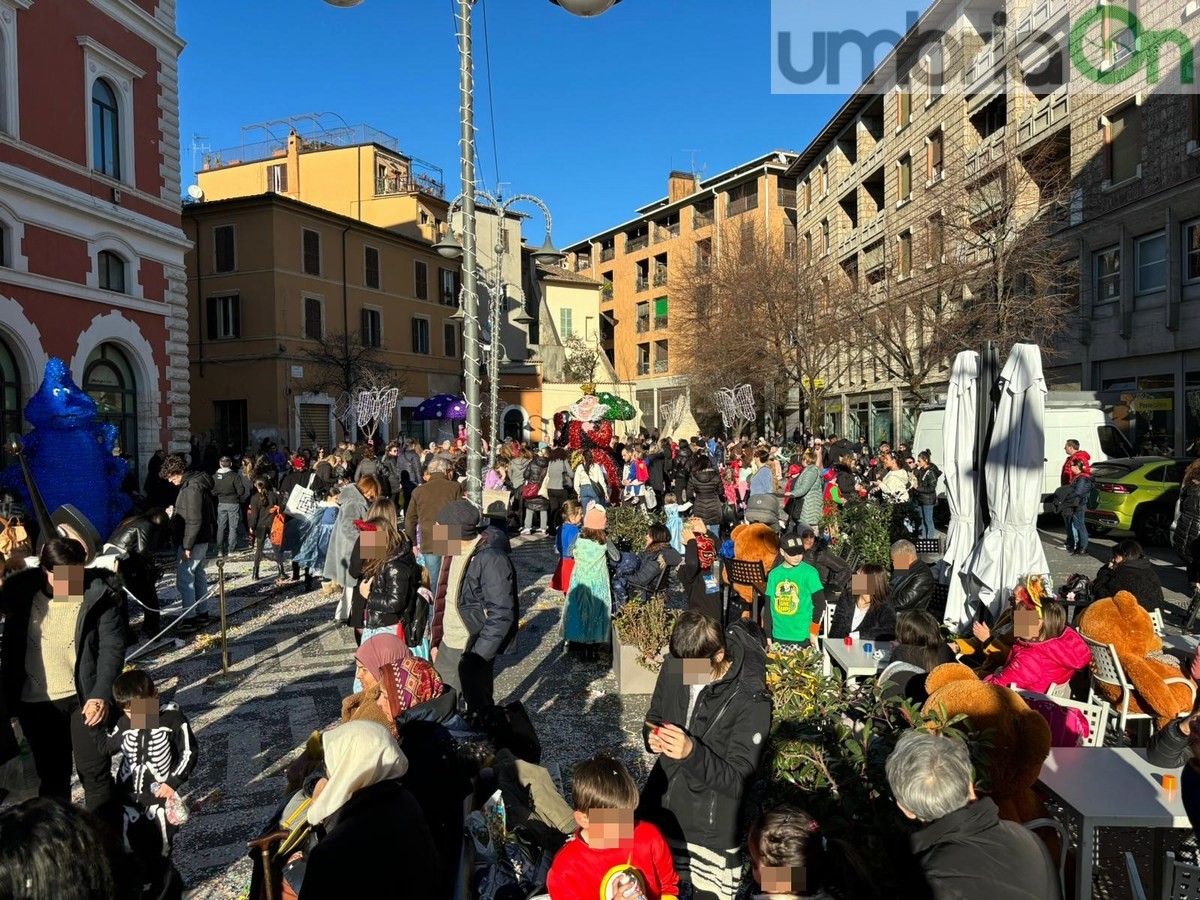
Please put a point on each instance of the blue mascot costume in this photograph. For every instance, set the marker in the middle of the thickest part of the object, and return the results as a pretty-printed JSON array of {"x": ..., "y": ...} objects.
[{"x": 70, "y": 453}]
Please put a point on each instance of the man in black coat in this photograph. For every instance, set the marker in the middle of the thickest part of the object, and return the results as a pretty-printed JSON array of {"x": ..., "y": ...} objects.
[
  {"x": 912, "y": 580},
  {"x": 194, "y": 525},
  {"x": 965, "y": 849},
  {"x": 482, "y": 596}
]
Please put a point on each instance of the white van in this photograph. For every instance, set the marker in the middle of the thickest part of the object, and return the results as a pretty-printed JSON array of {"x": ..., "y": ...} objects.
[{"x": 1070, "y": 415}]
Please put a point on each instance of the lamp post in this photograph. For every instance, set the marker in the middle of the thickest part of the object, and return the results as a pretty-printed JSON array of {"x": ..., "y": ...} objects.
[
  {"x": 470, "y": 296},
  {"x": 546, "y": 254}
]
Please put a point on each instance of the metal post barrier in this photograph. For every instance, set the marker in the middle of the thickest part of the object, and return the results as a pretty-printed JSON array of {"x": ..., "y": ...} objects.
[{"x": 224, "y": 679}]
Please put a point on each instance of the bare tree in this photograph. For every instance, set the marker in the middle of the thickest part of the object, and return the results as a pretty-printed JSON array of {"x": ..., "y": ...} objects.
[
  {"x": 753, "y": 314},
  {"x": 342, "y": 362},
  {"x": 582, "y": 359},
  {"x": 1004, "y": 253},
  {"x": 988, "y": 264}
]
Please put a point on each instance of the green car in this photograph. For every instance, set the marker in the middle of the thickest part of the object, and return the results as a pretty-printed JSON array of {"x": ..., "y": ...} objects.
[{"x": 1136, "y": 494}]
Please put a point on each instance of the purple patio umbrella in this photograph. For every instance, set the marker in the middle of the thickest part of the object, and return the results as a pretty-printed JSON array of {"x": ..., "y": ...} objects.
[{"x": 440, "y": 407}]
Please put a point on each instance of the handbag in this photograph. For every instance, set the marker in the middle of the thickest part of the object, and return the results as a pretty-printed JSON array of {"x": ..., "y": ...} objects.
[
  {"x": 302, "y": 501},
  {"x": 530, "y": 490}
]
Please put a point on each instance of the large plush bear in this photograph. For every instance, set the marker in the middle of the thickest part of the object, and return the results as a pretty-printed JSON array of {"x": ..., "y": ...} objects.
[
  {"x": 757, "y": 543},
  {"x": 1020, "y": 736},
  {"x": 1124, "y": 623}
]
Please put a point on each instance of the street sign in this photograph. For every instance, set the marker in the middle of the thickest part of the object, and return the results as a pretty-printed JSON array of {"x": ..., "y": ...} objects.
[{"x": 297, "y": 371}]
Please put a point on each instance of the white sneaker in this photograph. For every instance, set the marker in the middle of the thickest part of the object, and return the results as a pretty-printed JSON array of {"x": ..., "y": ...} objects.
[{"x": 526, "y": 532}]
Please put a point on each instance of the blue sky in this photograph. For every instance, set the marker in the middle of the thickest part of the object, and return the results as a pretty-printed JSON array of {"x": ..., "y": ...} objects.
[{"x": 590, "y": 114}]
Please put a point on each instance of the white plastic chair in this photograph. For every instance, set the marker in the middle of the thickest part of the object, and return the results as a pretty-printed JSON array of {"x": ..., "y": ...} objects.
[
  {"x": 1096, "y": 714},
  {"x": 1034, "y": 825},
  {"x": 1106, "y": 669},
  {"x": 1135, "y": 880},
  {"x": 1182, "y": 880},
  {"x": 1156, "y": 619}
]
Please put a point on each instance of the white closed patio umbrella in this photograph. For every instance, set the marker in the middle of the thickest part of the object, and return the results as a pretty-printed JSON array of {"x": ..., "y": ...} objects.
[
  {"x": 958, "y": 469},
  {"x": 1010, "y": 547}
]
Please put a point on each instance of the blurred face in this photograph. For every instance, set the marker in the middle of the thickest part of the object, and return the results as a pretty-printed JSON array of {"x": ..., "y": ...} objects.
[
  {"x": 143, "y": 712},
  {"x": 697, "y": 671},
  {"x": 1026, "y": 623},
  {"x": 66, "y": 582},
  {"x": 446, "y": 540},
  {"x": 608, "y": 829},
  {"x": 860, "y": 585},
  {"x": 371, "y": 545}
]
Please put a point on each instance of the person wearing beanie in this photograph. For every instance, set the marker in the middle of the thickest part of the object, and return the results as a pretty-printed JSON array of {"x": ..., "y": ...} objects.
[{"x": 476, "y": 613}]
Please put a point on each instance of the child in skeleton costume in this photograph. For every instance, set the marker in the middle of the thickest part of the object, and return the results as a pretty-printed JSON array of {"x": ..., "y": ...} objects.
[{"x": 158, "y": 753}]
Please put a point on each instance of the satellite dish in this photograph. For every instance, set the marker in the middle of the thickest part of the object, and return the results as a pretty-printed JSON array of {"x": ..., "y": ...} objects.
[{"x": 195, "y": 193}]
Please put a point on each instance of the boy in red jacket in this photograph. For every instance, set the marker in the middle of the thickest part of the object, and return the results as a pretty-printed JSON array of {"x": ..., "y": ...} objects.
[{"x": 610, "y": 856}]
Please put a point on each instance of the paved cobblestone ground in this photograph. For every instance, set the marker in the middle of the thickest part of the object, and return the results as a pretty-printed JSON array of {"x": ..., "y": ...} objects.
[{"x": 295, "y": 666}]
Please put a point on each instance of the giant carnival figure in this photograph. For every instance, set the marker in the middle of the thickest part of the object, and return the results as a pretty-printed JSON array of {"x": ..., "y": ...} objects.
[
  {"x": 588, "y": 428},
  {"x": 69, "y": 453}
]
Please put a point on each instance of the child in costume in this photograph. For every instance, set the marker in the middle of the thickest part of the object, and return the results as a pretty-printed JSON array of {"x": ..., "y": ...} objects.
[
  {"x": 564, "y": 543},
  {"x": 158, "y": 753},
  {"x": 588, "y": 609},
  {"x": 674, "y": 520},
  {"x": 611, "y": 855}
]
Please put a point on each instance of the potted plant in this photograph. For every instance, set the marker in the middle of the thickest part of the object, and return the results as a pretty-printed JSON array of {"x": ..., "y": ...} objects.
[
  {"x": 628, "y": 526},
  {"x": 641, "y": 635}
]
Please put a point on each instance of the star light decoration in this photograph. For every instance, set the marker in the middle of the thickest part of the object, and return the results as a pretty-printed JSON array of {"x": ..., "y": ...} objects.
[{"x": 735, "y": 404}]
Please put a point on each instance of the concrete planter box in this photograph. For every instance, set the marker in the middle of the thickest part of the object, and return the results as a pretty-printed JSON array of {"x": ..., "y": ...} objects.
[{"x": 632, "y": 676}]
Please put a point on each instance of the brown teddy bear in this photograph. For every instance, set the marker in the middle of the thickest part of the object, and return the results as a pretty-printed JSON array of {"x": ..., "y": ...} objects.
[
  {"x": 757, "y": 543},
  {"x": 1020, "y": 736},
  {"x": 1122, "y": 622}
]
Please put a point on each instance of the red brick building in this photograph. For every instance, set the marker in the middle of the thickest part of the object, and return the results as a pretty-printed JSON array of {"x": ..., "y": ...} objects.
[{"x": 91, "y": 248}]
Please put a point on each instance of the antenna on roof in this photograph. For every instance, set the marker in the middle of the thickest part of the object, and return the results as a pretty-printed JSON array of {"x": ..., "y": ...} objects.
[
  {"x": 198, "y": 147},
  {"x": 693, "y": 153}
]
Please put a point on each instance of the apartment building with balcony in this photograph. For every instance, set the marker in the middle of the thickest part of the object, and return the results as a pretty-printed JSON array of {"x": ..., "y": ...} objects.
[
  {"x": 970, "y": 101},
  {"x": 637, "y": 261}
]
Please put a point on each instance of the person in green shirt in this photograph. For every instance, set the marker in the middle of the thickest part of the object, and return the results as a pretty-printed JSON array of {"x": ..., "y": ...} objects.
[{"x": 794, "y": 592}]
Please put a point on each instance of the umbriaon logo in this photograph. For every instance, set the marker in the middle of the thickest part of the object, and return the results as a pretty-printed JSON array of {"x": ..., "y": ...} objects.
[{"x": 1109, "y": 46}]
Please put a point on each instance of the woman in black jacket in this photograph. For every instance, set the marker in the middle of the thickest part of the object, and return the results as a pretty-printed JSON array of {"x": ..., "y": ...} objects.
[
  {"x": 1129, "y": 570},
  {"x": 866, "y": 611},
  {"x": 917, "y": 651},
  {"x": 261, "y": 519},
  {"x": 390, "y": 579},
  {"x": 927, "y": 483},
  {"x": 137, "y": 537},
  {"x": 535, "y": 474},
  {"x": 709, "y": 747},
  {"x": 61, "y": 650},
  {"x": 1186, "y": 537},
  {"x": 654, "y": 563},
  {"x": 707, "y": 495}
]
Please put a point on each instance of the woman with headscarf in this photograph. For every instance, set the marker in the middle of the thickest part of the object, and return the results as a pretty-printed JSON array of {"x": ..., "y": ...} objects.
[
  {"x": 375, "y": 838},
  {"x": 369, "y": 659},
  {"x": 422, "y": 714}
]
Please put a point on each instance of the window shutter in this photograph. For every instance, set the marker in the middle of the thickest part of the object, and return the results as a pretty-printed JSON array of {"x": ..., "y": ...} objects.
[
  {"x": 212, "y": 318},
  {"x": 366, "y": 328},
  {"x": 235, "y": 311}
]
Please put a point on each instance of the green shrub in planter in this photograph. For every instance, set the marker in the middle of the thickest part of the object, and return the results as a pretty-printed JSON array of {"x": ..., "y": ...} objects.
[
  {"x": 827, "y": 750},
  {"x": 628, "y": 526},
  {"x": 646, "y": 625}
]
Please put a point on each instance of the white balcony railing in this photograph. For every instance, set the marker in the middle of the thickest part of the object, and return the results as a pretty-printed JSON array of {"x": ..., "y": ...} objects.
[{"x": 989, "y": 151}]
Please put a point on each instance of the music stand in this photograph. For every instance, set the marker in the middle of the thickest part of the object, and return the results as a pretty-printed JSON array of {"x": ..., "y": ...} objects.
[{"x": 748, "y": 573}]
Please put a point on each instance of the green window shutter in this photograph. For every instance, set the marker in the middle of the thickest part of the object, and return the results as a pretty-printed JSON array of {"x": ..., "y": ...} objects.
[{"x": 660, "y": 307}]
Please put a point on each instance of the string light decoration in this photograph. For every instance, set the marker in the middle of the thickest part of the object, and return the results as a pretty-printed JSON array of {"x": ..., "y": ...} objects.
[{"x": 735, "y": 404}]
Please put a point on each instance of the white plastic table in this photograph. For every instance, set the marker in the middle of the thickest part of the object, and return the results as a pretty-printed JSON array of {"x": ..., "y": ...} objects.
[
  {"x": 1115, "y": 787},
  {"x": 851, "y": 660},
  {"x": 1186, "y": 643}
]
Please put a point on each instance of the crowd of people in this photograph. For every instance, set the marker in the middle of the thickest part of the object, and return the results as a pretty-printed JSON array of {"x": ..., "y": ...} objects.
[{"x": 426, "y": 582}]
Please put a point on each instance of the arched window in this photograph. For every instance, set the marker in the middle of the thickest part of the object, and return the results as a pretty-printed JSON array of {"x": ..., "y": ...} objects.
[
  {"x": 106, "y": 129},
  {"x": 108, "y": 378},
  {"x": 514, "y": 425},
  {"x": 110, "y": 269},
  {"x": 10, "y": 398}
]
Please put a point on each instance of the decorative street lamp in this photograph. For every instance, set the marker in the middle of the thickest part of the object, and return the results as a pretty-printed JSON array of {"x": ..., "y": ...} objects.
[
  {"x": 470, "y": 296},
  {"x": 547, "y": 254}
]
